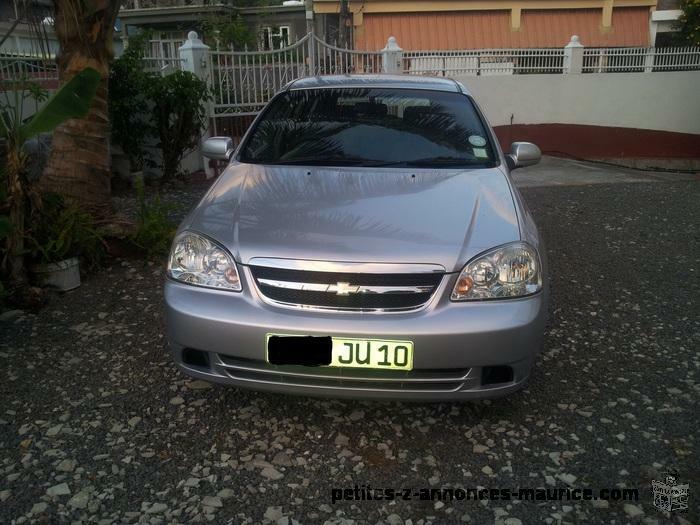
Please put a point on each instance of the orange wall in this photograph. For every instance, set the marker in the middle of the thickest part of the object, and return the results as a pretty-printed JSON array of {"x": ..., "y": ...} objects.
[{"x": 485, "y": 29}]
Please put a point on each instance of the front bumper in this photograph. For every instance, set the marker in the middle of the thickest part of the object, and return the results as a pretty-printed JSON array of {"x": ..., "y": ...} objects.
[{"x": 455, "y": 344}]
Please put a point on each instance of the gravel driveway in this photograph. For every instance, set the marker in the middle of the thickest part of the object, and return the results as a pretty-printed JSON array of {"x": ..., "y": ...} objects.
[{"x": 97, "y": 426}]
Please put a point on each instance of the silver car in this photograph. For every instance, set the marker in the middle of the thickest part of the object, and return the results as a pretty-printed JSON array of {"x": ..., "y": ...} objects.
[{"x": 364, "y": 241}]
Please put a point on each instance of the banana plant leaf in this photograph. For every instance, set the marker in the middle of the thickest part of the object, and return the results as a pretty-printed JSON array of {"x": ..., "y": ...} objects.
[{"x": 72, "y": 100}]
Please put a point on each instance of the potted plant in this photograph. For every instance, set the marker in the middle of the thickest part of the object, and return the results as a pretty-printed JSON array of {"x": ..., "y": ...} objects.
[
  {"x": 18, "y": 201},
  {"x": 60, "y": 235}
]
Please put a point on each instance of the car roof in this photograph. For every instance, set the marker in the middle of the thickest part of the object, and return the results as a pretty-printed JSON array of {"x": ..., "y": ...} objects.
[{"x": 378, "y": 81}]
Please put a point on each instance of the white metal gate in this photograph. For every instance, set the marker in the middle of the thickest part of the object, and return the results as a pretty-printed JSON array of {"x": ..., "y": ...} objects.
[{"x": 242, "y": 82}]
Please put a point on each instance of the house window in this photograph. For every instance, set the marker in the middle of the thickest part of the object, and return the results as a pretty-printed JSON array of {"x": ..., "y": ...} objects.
[
  {"x": 274, "y": 37},
  {"x": 165, "y": 44}
]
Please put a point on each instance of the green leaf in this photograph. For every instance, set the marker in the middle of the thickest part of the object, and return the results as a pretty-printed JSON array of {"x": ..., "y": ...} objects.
[{"x": 72, "y": 100}]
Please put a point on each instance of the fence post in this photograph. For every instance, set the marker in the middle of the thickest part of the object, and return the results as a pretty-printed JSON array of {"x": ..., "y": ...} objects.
[
  {"x": 392, "y": 57},
  {"x": 649, "y": 60},
  {"x": 194, "y": 56},
  {"x": 573, "y": 56},
  {"x": 312, "y": 59}
]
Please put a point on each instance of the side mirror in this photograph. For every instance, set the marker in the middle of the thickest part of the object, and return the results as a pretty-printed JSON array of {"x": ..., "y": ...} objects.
[
  {"x": 218, "y": 148},
  {"x": 523, "y": 154}
]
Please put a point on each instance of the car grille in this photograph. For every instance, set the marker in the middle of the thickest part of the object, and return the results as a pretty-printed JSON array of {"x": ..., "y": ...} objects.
[
  {"x": 346, "y": 291},
  {"x": 430, "y": 380}
]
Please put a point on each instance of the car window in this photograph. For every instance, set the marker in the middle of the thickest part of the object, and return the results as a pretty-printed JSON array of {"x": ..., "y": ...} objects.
[{"x": 370, "y": 127}]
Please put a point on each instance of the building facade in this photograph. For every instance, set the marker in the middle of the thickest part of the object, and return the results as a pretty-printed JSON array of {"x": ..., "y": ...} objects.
[
  {"x": 22, "y": 27},
  {"x": 473, "y": 24},
  {"x": 663, "y": 22},
  {"x": 30, "y": 32},
  {"x": 169, "y": 21}
]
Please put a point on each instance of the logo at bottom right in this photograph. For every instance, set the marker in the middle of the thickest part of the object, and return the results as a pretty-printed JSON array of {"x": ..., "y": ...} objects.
[{"x": 669, "y": 495}]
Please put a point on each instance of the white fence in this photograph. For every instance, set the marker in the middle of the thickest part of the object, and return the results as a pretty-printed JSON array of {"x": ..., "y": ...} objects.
[
  {"x": 484, "y": 62},
  {"x": 43, "y": 70},
  {"x": 243, "y": 82},
  {"x": 162, "y": 65},
  {"x": 145, "y": 4},
  {"x": 640, "y": 59},
  {"x": 18, "y": 65},
  {"x": 487, "y": 62}
]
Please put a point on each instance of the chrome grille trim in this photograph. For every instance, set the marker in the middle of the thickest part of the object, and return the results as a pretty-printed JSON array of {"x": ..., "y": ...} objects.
[
  {"x": 446, "y": 376},
  {"x": 339, "y": 290},
  {"x": 401, "y": 290},
  {"x": 352, "y": 386},
  {"x": 345, "y": 267},
  {"x": 360, "y": 380},
  {"x": 335, "y": 309}
]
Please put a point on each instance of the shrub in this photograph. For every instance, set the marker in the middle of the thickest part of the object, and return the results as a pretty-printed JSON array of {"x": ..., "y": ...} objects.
[
  {"x": 227, "y": 32},
  {"x": 60, "y": 230},
  {"x": 129, "y": 105},
  {"x": 180, "y": 109},
  {"x": 688, "y": 25},
  {"x": 142, "y": 106},
  {"x": 154, "y": 228}
]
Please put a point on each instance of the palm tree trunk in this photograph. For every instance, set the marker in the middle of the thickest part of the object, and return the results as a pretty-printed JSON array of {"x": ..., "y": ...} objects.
[
  {"x": 79, "y": 163},
  {"x": 15, "y": 161}
]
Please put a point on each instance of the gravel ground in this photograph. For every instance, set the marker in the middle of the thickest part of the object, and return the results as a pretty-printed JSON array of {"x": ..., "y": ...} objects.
[
  {"x": 178, "y": 197},
  {"x": 97, "y": 425}
]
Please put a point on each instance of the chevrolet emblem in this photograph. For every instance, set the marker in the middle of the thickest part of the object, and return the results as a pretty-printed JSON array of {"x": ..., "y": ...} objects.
[{"x": 343, "y": 288}]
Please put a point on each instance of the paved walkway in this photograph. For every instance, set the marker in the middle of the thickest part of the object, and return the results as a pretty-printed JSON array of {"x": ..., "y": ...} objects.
[{"x": 555, "y": 171}]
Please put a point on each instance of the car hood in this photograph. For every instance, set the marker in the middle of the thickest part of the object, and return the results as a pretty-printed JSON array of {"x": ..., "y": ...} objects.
[{"x": 358, "y": 214}]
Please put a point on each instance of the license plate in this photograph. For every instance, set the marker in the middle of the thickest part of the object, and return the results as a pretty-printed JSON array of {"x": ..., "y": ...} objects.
[{"x": 385, "y": 354}]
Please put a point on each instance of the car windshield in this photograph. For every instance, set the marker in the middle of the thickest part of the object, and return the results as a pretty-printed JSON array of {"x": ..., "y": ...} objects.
[{"x": 370, "y": 127}]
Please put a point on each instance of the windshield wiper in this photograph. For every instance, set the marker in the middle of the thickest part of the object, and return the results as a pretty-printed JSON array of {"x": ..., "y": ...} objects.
[
  {"x": 330, "y": 161},
  {"x": 444, "y": 161},
  {"x": 341, "y": 160}
]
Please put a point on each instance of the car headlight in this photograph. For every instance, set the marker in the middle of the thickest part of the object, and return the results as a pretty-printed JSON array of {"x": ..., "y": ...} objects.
[
  {"x": 196, "y": 260},
  {"x": 512, "y": 270}
]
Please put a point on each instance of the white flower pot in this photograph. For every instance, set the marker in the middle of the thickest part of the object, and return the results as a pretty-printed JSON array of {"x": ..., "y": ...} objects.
[{"x": 63, "y": 275}]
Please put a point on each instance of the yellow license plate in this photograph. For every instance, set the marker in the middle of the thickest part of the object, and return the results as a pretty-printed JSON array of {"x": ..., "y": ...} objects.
[
  {"x": 372, "y": 353},
  {"x": 384, "y": 354}
]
